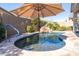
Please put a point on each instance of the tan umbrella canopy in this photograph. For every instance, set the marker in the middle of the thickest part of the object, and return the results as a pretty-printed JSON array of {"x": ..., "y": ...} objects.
[{"x": 36, "y": 10}]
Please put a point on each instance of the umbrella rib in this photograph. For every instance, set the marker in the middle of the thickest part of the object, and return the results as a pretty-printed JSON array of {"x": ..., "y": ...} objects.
[
  {"x": 50, "y": 11},
  {"x": 32, "y": 13},
  {"x": 55, "y": 7},
  {"x": 42, "y": 13},
  {"x": 24, "y": 11}
]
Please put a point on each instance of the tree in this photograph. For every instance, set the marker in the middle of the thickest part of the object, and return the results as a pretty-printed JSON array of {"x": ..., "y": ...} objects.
[
  {"x": 62, "y": 28},
  {"x": 53, "y": 26},
  {"x": 56, "y": 26},
  {"x": 35, "y": 24}
]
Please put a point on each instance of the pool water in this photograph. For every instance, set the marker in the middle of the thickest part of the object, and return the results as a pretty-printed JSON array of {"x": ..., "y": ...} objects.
[{"x": 41, "y": 42}]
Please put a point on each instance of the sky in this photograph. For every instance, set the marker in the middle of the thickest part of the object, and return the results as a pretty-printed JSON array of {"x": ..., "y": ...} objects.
[{"x": 60, "y": 17}]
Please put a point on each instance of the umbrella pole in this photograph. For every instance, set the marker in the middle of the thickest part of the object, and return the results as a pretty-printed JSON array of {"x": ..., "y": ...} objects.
[
  {"x": 39, "y": 24},
  {"x": 38, "y": 18}
]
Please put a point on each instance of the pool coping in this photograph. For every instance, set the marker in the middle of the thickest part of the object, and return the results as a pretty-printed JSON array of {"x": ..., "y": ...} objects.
[{"x": 69, "y": 49}]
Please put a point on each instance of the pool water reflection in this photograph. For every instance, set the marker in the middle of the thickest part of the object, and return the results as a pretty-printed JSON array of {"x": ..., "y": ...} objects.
[{"x": 41, "y": 42}]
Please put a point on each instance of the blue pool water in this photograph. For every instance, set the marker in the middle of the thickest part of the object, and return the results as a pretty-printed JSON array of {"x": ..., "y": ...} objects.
[{"x": 41, "y": 42}]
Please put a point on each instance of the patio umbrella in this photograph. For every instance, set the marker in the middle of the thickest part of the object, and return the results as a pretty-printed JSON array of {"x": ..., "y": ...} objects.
[{"x": 37, "y": 10}]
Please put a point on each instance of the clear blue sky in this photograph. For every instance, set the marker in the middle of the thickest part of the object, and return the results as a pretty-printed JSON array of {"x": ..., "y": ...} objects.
[{"x": 60, "y": 17}]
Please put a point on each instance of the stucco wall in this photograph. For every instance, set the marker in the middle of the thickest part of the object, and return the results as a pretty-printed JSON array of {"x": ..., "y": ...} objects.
[{"x": 15, "y": 21}]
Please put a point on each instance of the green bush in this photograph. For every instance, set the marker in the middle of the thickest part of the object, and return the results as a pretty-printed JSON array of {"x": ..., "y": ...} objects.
[
  {"x": 30, "y": 29},
  {"x": 53, "y": 26},
  {"x": 62, "y": 28},
  {"x": 2, "y": 32},
  {"x": 56, "y": 27},
  {"x": 69, "y": 28}
]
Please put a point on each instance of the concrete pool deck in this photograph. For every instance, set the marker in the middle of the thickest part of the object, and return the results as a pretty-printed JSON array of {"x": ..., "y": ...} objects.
[{"x": 71, "y": 48}]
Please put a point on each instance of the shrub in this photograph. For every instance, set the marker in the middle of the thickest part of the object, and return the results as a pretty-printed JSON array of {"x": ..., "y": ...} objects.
[
  {"x": 2, "y": 32},
  {"x": 69, "y": 28},
  {"x": 62, "y": 28},
  {"x": 30, "y": 29},
  {"x": 53, "y": 26}
]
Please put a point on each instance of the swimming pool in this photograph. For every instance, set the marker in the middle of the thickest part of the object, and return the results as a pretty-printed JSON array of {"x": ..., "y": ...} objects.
[{"x": 41, "y": 42}]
